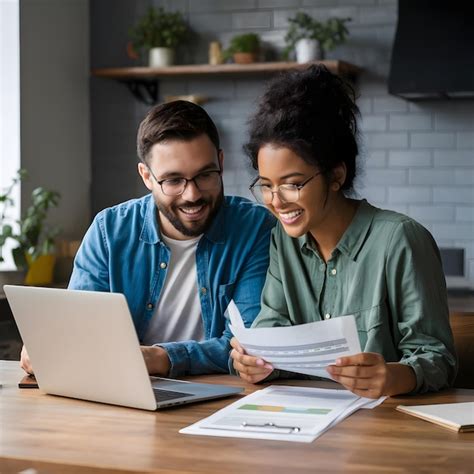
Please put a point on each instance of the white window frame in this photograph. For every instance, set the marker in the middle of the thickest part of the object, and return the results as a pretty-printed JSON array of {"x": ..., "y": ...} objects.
[{"x": 10, "y": 109}]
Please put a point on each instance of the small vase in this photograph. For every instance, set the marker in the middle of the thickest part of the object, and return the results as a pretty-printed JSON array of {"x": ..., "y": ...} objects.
[
  {"x": 307, "y": 50},
  {"x": 161, "y": 57},
  {"x": 245, "y": 58},
  {"x": 40, "y": 270}
]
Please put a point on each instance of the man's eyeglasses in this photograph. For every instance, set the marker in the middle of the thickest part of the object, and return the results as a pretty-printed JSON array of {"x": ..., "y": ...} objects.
[
  {"x": 205, "y": 181},
  {"x": 287, "y": 193}
]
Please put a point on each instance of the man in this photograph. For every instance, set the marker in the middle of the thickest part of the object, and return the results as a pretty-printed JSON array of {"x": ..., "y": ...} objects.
[{"x": 181, "y": 253}]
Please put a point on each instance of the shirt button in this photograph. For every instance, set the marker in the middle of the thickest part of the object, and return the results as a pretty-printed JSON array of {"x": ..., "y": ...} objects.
[
  {"x": 163, "y": 265},
  {"x": 203, "y": 290},
  {"x": 333, "y": 271},
  {"x": 149, "y": 306},
  {"x": 327, "y": 316}
]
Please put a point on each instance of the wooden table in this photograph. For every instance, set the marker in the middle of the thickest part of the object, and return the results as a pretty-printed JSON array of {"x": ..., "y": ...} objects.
[{"x": 60, "y": 435}]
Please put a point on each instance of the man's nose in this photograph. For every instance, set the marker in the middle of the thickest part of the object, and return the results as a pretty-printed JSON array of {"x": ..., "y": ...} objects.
[{"x": 191, "y": 192}]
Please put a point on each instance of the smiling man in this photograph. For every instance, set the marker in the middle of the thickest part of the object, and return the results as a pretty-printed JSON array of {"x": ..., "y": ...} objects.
[{"x": 182, "y": 252}]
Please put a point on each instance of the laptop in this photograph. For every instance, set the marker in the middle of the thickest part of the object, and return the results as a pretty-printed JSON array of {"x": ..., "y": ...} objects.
[{"x": 83, "y": 344}]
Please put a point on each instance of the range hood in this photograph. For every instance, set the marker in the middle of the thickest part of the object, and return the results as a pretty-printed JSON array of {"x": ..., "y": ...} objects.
[{"x": 433, "y": 51}]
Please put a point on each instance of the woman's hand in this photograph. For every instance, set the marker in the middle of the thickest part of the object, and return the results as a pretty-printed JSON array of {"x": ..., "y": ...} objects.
[
  {"x": 368, "y": 375},
  {"x": 251, "y": 369}
]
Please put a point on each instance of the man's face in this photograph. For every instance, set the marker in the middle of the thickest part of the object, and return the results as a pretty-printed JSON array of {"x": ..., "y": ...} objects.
[{"x": 191, "y": 213}]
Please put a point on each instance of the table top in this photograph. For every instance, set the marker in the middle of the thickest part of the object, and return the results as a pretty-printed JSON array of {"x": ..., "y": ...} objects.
[{"x": 57, "y": 434}]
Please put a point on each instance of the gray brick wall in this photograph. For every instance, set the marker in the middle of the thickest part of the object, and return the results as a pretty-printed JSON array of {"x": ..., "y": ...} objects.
[{"x": 416, "y": 158}]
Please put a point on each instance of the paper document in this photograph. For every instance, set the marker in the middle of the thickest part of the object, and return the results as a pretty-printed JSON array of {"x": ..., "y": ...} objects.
[
  {"x": 279, "y": 412},
  {"x": 305, "y": 348}
]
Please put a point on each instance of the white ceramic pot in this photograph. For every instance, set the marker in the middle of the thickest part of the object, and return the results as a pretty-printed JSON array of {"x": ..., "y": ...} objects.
[
  {"x": 161, "y": 57},
  {"x": 307, "y": 50}
]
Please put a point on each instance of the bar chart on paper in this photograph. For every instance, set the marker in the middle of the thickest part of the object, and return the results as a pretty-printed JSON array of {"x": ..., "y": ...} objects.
[{"x": 283, "y": 409}]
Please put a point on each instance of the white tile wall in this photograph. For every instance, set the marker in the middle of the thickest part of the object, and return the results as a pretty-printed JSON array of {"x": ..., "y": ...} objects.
[{"x": 416, "y": 157}]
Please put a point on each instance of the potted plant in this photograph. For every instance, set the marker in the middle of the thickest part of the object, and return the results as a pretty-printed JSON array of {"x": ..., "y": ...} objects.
[
  {"x": 243, "y": 48},
  {"x": 35, "y": 240},
  {"x": 311, "y": 39},
  {"x": 159, "y": 32}
]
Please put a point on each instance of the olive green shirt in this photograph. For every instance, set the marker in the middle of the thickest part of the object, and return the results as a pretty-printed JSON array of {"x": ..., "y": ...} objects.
[{"x": 386, "y": 271}]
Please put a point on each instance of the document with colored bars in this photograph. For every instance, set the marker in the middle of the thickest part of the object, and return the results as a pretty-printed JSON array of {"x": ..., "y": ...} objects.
[
  {"x": 278, "y": 412},
  {"x": 305, "y": 348}
]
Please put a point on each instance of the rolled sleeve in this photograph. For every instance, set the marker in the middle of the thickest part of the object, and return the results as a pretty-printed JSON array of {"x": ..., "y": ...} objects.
[{"x": 417, "y": 296}]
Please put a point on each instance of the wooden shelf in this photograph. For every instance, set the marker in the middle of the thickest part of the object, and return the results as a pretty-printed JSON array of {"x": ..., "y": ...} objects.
[
  {"x": 337, "y": 67},
  {"x": 143, "y": 81}
]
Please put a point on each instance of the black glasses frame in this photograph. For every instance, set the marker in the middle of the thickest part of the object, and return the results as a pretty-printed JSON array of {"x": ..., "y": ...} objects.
[{"x": 182, "y": 179}]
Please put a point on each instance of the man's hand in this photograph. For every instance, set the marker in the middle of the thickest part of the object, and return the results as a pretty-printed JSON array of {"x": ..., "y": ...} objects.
[
  {"x": 25, "y": 363},
  {"x": 368, "y": 375},
  {"x": 251, "y": 369},
  {"x": 156, "y": 360}
]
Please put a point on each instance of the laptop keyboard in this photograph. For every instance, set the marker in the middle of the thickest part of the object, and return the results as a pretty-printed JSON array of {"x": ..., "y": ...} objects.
[{"x": 163, "y": 395}]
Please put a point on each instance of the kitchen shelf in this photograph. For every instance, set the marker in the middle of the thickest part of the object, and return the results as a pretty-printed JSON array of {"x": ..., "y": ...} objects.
[{"x": 143, "y": 81}]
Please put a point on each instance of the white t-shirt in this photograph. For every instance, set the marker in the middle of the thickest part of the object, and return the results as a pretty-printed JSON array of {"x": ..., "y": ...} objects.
[{"x": 177, "y": 315}]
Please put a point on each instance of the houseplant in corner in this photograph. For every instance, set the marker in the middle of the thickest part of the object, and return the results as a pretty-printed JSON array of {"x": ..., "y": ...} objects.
[
  {"x": 35, "y": 239},
  {"x": 311, "y": 39},
  {"x": 243, "y": 49},
  {"x": 159, "y": 32}
]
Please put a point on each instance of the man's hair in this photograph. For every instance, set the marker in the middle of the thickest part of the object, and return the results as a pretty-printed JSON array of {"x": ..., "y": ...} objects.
[
  {"x": 313, "y": 113},
  {"x": 178, "y": 120}
]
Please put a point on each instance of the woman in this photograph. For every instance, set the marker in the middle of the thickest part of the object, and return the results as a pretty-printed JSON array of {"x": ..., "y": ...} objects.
[{"x": 332, "y": 255}]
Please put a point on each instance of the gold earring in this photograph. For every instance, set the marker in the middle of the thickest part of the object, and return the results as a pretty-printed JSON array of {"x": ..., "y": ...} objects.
[{"x": 336, "y": 186}]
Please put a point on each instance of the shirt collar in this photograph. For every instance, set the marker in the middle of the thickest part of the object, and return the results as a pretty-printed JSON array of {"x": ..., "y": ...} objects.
[
  {"x": 150, "y": 233},
  {"x": 354, "y": 236}
]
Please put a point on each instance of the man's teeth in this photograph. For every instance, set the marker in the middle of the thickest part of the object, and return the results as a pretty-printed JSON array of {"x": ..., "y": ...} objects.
[
  {"x": 291, "y": 215},
  {"x": 192, "y": 210}
]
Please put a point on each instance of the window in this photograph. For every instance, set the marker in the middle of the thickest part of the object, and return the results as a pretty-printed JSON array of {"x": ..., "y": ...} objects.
[{"x": 9, "y": 106}]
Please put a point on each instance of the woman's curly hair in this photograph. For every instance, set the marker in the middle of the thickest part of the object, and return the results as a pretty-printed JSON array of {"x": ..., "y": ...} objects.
[{"x": 313, "y": 113}]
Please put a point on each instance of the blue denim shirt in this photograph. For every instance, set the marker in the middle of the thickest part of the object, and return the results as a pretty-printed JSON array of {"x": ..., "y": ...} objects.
[{"x": 123, "y": 252}]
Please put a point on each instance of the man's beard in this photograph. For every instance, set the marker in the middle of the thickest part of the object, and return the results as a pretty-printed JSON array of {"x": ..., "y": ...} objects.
[{"x": 191, "y": 229}]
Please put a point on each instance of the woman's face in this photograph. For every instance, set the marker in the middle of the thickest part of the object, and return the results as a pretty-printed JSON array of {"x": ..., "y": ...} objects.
[{"x": 280, "y": 165}]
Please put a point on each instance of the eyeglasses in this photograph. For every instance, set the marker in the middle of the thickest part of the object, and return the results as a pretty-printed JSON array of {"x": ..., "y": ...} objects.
[
  {"x": 287, "y": 193},
  {"x": 205, "y": 181}
]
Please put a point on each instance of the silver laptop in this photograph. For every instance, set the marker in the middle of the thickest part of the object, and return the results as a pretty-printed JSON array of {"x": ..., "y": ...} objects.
[{"x": 82, "y": 344}]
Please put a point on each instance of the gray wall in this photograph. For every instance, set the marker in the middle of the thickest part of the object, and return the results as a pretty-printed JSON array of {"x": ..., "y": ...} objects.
[
  {"x": 54, "y": 81},
  {"x": 417, "y": 158}
]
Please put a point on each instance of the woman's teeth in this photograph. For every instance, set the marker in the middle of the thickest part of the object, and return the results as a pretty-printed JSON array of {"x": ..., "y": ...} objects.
[{"x": 290, "y": 215}]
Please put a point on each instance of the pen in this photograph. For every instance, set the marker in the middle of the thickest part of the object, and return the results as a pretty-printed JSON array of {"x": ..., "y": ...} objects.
[{"x": 292, "y": 429}]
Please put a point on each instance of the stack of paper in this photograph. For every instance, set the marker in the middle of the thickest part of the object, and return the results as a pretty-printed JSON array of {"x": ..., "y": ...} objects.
[
  {"x": 299, "y": 414},
  {"x": 305, "y": 349}
]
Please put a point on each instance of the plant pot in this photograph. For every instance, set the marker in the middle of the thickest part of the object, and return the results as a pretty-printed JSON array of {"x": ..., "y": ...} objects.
[
  {"x": 245, "y": 58},
  {"x": 40, "y": 270},
  {"x": 307, "y": 50},
  {"x": 161, "y": 57}
]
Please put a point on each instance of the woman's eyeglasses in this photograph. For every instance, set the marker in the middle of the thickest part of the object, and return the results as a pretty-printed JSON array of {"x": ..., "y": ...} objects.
[{"x": 287, "y": 193}]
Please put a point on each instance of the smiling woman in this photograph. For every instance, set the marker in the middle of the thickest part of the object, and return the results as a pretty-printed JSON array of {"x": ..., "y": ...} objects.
[
  {"x": 332, "y": 255},
  {"x": 10, "y": 107}
]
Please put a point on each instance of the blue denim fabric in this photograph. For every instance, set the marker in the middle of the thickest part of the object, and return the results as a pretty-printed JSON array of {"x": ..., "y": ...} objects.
[{"x": 122, "y": 252}]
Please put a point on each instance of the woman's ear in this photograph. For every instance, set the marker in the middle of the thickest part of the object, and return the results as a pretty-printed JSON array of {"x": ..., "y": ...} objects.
[{"x": 339, "y": 174}]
